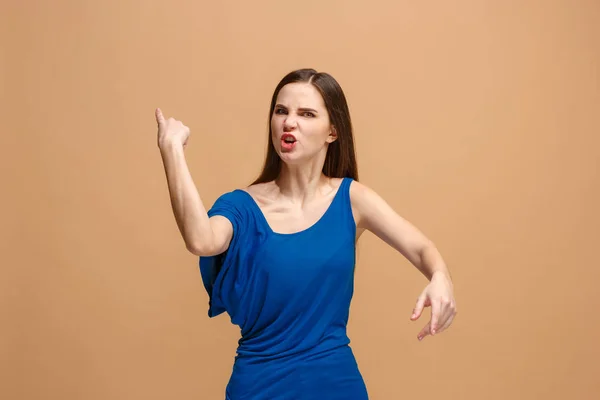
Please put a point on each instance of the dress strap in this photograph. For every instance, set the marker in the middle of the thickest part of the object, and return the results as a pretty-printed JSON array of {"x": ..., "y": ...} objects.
[{"x": 345, "y": 205}]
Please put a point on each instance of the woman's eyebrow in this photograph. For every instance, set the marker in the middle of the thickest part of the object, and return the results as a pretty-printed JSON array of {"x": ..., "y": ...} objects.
[
  {"x": 302, "y": 109},
  {"x": 308, "y": 109}
]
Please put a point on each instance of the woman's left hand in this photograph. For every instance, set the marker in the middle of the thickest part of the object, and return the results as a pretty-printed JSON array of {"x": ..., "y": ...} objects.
[{"x": 439, "y": 294}]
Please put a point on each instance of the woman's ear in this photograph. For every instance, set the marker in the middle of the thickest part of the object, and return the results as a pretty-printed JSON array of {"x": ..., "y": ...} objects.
[{"x": 332, "y": 135}]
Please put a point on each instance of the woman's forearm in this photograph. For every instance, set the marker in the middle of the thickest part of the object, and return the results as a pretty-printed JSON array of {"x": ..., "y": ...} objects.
[
  {"x": 432, "y": 263},
  {"x": 190, "y": 214}
]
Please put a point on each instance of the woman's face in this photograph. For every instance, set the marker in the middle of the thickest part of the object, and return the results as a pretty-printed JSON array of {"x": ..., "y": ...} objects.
[{"x": 300, "y": 123}]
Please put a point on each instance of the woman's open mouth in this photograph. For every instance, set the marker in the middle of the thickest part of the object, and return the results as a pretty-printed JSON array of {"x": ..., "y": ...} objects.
[{"x": 288, "y": 141}]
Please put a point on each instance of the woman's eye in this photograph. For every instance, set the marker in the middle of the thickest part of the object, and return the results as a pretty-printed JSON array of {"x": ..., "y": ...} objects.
[{"x": 305, "y": 114}]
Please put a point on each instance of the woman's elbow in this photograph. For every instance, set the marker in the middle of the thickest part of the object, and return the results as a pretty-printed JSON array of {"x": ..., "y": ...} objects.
[{"x": 199, "y": 249}]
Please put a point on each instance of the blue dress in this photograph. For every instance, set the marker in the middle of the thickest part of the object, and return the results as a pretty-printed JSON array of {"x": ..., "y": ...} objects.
[{"x": 290, "y": 295}]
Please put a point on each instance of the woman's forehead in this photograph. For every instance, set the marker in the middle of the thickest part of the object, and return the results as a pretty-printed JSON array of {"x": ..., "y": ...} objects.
[{"x": 298, "y": 95}]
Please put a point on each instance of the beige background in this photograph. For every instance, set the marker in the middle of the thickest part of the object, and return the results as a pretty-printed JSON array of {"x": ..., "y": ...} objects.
[{"x": 477, "y": 120}]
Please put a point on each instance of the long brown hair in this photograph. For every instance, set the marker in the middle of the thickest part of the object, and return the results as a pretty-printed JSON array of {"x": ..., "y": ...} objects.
[{"x": 340, "y": 160}]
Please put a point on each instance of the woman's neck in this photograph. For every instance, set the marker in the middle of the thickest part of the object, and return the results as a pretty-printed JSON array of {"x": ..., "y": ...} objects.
[{"x": 300, "y": 184}]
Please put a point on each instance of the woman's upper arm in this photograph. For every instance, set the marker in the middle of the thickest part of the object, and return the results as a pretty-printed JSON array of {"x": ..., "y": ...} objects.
[
  {"x": 222, "y": 233},
  {"x": 373, "y": 213}
]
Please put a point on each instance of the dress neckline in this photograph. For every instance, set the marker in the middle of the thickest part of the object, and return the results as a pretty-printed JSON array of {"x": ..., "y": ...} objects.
[{"x": 311, "y": 227}]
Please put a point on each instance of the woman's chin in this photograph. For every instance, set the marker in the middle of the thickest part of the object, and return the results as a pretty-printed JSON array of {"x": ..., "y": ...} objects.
[{"x": 290, "y": 158}]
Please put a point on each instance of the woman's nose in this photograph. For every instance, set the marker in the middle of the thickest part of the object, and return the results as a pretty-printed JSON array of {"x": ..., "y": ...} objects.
[{"x": 290, "y": 122}]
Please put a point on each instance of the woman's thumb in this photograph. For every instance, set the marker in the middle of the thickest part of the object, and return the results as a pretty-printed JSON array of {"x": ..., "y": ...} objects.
[{"x": 160, "y": 119}]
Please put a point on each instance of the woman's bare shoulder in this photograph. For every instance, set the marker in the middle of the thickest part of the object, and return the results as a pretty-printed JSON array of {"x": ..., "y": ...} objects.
[{"x": 260, "y": 192}]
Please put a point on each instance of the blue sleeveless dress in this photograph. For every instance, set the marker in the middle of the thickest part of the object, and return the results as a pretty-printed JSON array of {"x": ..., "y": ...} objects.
[{"x": 290, "y": 295}]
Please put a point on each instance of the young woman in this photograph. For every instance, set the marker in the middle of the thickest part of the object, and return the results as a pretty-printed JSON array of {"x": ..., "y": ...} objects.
[{"x": 279, "y": 255}]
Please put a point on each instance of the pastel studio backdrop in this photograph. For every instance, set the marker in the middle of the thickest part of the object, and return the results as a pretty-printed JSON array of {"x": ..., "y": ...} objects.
[{"x": 476, "y": 120}]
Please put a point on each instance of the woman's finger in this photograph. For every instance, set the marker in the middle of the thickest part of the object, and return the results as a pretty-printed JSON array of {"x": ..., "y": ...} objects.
[
  {"x": 453, "y": 313},
  {"x": 436, "y": 314},
  {"x": 424, "y": 332},
  {"x": 160, "y": 119},
  {"x": 446, "y": 313},
  {"x": 447, "y": 324},
  {"x": 418, "y": 307}
]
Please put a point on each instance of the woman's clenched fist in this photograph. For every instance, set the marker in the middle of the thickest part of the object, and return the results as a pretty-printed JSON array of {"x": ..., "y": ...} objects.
[{"x": 171, "y": 131}]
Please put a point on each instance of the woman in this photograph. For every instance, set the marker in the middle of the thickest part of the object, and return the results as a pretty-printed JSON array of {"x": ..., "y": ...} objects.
[{"x": 279, "y": 255}]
